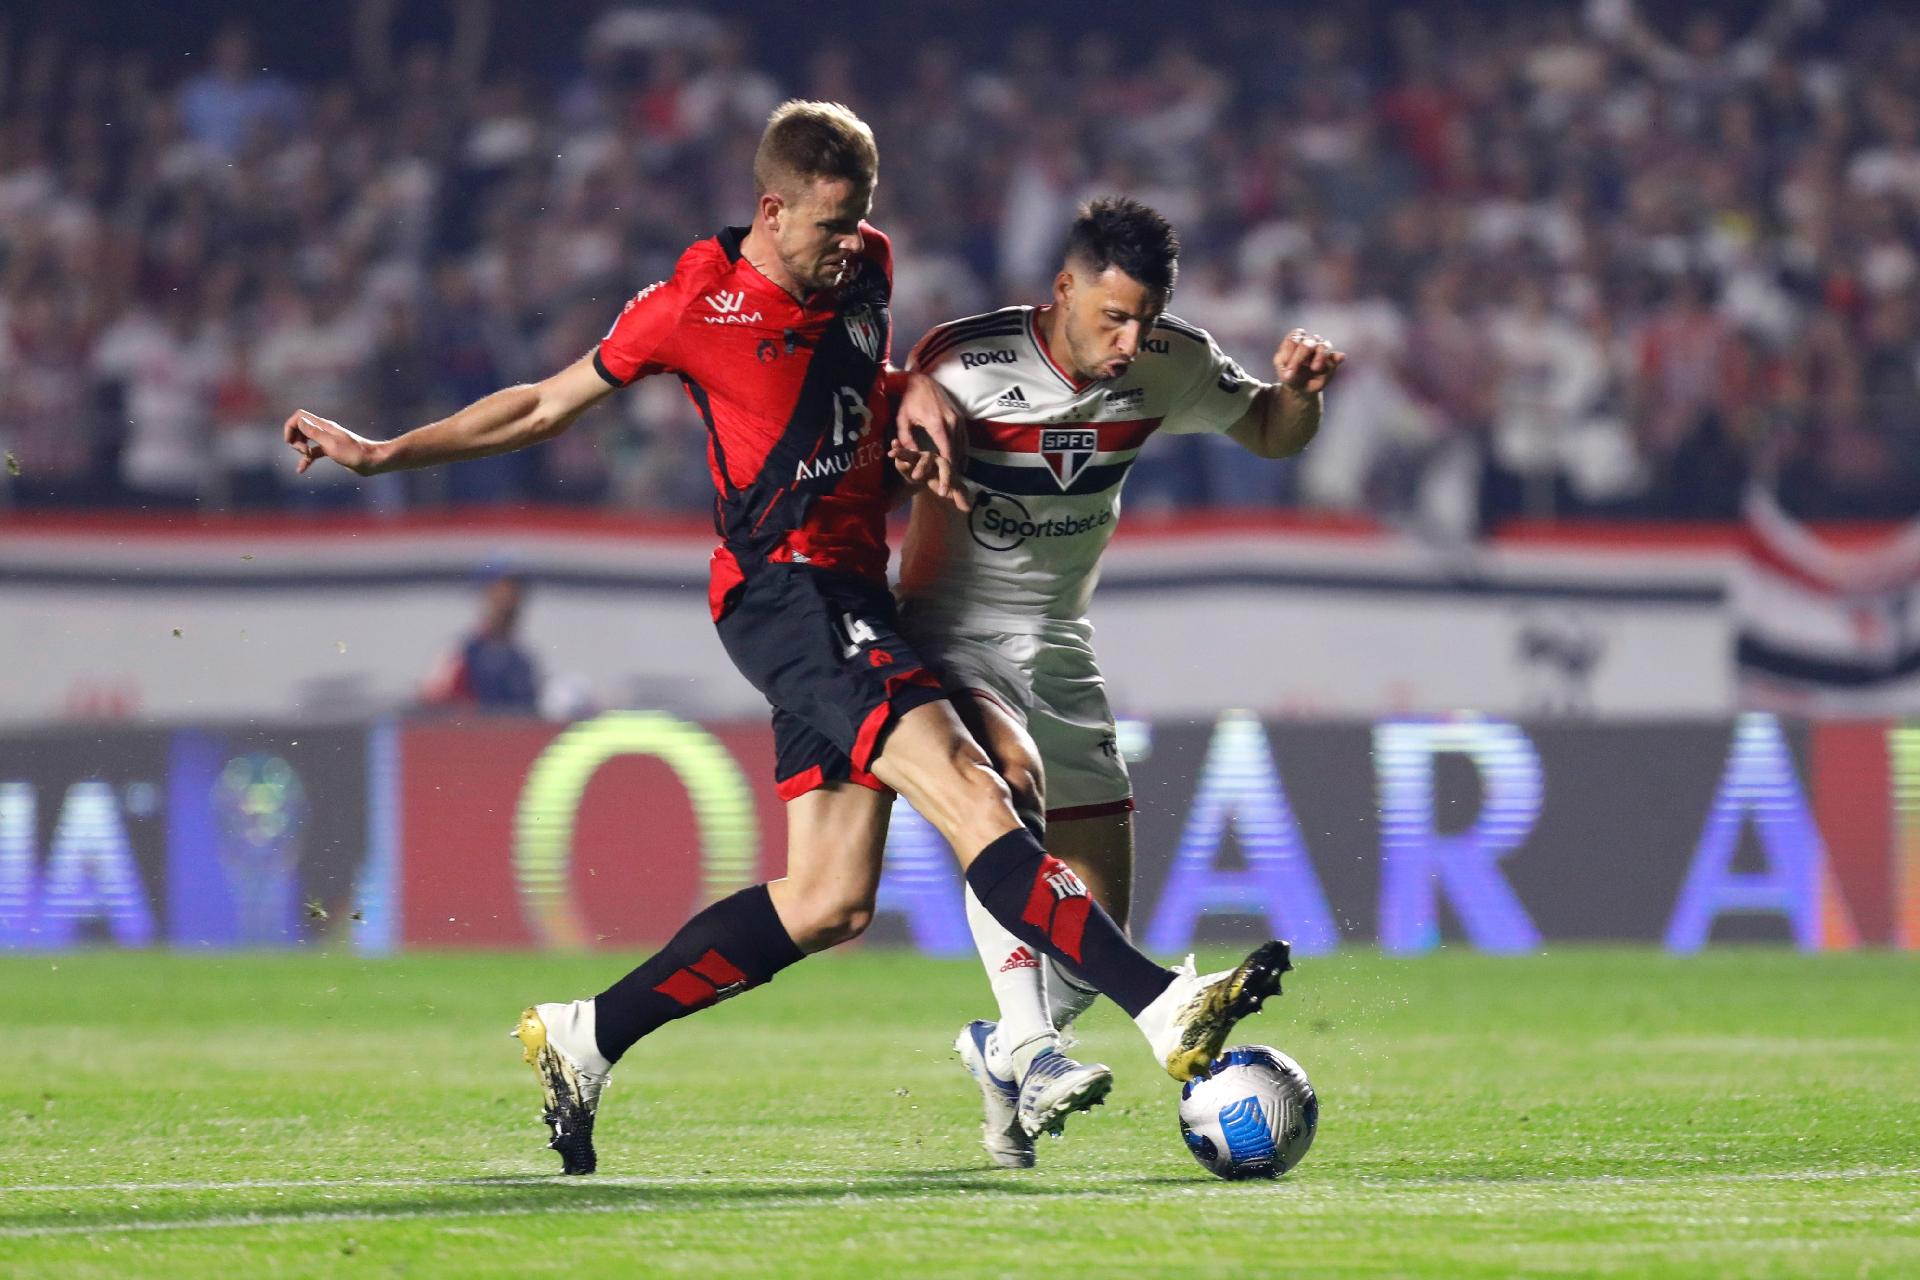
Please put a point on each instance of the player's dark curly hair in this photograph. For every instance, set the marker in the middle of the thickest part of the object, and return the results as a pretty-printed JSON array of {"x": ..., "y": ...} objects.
[{"x": 1118, "y": 231}]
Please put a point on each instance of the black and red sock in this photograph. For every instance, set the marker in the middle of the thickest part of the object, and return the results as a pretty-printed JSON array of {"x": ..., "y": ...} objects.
[
  {"x": 734, "y": 945},
  {"x": 1043, "y": 903}
]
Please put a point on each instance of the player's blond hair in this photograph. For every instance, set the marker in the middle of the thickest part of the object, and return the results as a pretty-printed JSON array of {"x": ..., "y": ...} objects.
[{"x": 806, "y": 141}]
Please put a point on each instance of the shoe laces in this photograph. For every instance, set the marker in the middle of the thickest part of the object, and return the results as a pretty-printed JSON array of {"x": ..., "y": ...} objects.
[{"x": 1048, "y": 1066}]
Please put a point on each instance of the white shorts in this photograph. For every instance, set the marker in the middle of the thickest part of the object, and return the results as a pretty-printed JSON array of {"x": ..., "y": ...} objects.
[{"x": 1048, "y": 680}]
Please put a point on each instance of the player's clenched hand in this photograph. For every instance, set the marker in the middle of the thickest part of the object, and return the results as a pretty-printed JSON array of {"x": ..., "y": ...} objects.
[
  {"x": 314, "y": 437},
  {"x": 919, "y": 468},
  {"x": 916, "y": 466},
  {"x": 927, "y": 410},
  {"x": 1306, "y": 362}
]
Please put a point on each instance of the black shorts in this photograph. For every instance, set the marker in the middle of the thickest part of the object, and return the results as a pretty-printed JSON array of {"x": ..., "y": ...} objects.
[{"x": 827, "y": 653}]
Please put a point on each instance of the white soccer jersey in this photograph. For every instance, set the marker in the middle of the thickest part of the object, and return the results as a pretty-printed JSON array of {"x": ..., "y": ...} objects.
[{"x": 1046, "y": 459}]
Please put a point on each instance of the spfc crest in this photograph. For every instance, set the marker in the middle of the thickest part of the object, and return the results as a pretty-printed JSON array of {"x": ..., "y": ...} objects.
[
  {"x": 867, "y": 330},
  {"x": 1067, "y": 450}
]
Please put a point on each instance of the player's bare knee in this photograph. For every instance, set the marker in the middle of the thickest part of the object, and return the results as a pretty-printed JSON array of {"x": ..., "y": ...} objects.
[
  {"x": 840, "y": 924},
  {"x": 975, "y": 772},
  {"x": 965, "y": 781},
  {"x": 986, "y": 796},
  {"x": 852, "y": 922},
  {"x": 826, "y": 919}
]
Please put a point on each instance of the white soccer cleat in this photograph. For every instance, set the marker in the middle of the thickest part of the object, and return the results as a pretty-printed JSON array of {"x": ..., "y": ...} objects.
[
  {"x": 557, "y": 1041},
  {"x": 1054, "y": 1087},
  {"x": 1001, "y": 1135},
  {"x": 1189, "y": 1022}
]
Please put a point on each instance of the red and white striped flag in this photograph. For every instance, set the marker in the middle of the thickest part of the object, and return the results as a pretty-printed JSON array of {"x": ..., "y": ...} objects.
[{"x": 1825, "y": 630}]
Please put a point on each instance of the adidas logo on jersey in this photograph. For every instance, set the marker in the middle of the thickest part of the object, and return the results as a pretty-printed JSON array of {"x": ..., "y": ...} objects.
[
  {"x": 1013, "y": 398},
  {"x": 727, "y": 308}
]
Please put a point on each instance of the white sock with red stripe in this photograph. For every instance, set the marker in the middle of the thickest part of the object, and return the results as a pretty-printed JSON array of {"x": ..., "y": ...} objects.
[{"x": 1018, "y": 977}]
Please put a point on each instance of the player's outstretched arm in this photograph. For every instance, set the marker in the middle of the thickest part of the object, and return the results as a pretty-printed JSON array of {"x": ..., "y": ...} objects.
[
  {"x": 926, "y": 425},
  {"x": 506, "y": 420},
  {"x": 1285, "y": 416}
]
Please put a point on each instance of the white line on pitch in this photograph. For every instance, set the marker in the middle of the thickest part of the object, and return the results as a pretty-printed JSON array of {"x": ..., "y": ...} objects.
[
  {"x": 922, "y": 1184},
  {"x": 304, "y": 1219},
  {"x": 297, "y": 1218},
  {"x": 480, "y": 1183}
]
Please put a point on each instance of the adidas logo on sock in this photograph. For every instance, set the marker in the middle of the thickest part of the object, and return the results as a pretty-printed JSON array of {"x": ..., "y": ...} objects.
[
  {"x": 1013, "y": 398},
  {"x": 1023, "y": 958}
]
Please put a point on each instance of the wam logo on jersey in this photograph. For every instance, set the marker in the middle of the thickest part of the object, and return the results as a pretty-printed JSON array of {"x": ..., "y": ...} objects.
[
  {"x": 1067, "y": 452},
  {"x": 729, "y": 308},
  {"x": 865, "y": 329}
]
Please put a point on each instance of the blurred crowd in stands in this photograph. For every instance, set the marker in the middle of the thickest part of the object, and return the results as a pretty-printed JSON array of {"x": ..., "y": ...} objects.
[{"x": 1585, "y": 258}]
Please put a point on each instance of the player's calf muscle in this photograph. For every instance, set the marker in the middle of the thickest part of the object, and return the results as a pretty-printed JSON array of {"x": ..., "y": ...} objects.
[
  {"x": 1100, "y": 851},
  {"x": 835, "y": 839}
]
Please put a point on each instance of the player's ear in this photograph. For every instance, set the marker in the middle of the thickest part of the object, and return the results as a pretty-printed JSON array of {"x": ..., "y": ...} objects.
[
  {"x": 772, "y": 205},
  {"x": 1063, "y": 286}
]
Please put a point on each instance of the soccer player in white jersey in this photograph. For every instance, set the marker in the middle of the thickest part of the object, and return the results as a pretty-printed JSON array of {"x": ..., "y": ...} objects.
[{"x": 1058, "y": 401}]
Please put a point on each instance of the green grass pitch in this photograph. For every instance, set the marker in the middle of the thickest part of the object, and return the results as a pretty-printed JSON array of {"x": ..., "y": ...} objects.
[{"x": 1584, "y": 1112}]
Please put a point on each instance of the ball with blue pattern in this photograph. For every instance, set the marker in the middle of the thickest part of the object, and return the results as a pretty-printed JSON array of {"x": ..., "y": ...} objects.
[{"x": 1252, "y": 1115}]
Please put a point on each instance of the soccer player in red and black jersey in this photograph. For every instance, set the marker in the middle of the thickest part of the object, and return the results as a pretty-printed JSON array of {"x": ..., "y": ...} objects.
[{"x": 779, "y": 333}]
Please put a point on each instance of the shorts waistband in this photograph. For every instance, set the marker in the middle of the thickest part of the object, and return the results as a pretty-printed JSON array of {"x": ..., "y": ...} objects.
[{"x": 1015, "y": 624}]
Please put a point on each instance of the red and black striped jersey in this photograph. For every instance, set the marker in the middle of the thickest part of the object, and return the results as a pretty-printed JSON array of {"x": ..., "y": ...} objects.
[{"x": 790, "y": 392}]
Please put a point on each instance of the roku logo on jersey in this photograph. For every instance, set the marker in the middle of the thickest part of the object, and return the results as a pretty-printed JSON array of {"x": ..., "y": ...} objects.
[
  {"x": 974, "y": 359},
  {"x": 727, "y": 310}
]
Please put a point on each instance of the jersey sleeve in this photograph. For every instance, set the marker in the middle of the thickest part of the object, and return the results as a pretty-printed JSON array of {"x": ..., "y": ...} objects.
[
  {"x": 1220, "y": 393},
  {"x": 642, "y": 340},
  {"x": 945, "y": 368},
  {"x": 917, "y": 358}
]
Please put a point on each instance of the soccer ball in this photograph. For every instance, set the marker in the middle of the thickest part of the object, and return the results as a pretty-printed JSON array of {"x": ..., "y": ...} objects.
[{"x": 1252, "y": 1115}]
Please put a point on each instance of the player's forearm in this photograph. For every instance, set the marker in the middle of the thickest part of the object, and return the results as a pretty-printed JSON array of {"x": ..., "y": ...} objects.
[
  {"x": 1289, "y": 420},
  {"x": 509, "y": 419}
]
